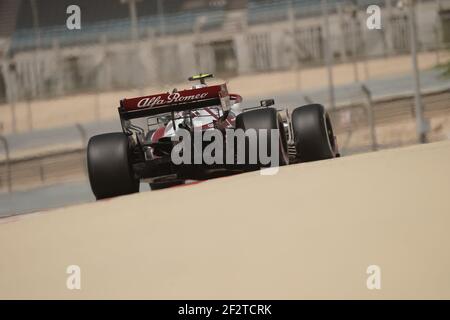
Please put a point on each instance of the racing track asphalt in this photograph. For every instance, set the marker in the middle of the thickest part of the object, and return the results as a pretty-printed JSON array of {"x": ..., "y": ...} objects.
[
  {"x": 310, "y": 231},
  {"x": 49, "y": 197}
]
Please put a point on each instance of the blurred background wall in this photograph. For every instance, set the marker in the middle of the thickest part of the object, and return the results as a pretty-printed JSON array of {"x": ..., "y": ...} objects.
[{"x": 171, "y": 40}]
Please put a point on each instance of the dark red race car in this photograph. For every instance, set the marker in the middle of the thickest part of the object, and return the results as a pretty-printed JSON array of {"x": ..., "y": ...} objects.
[{"x": 200, "y": 133}]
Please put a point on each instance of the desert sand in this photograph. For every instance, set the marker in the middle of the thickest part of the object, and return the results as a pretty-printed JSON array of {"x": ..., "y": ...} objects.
[{"x": 310, "y": 231}]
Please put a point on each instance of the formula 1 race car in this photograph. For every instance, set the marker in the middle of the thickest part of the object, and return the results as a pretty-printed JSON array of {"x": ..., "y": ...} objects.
[{"x": 192, "y": 134}]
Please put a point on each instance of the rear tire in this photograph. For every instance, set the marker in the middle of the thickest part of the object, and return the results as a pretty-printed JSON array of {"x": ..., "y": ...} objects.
[
  {"x": 264, "y": 119},
  {"x": 109, "y": 166},
  {"x": 313, "y": 133}
]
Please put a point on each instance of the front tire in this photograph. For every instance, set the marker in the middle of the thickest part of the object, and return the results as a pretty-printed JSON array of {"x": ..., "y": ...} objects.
[
  {"x": 313, "y": 133},
  {"x": 109, "y": 166},
  {"x": 264, "y": 119}
]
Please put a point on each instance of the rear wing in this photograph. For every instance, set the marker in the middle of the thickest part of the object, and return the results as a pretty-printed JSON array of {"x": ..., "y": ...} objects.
[{"x": 175, "y": 101}]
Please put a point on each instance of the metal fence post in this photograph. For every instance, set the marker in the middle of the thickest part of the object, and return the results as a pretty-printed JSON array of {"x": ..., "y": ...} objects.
[
  {"x": 29, "y": 113},
  {"x": 420, "y": 121},
  {"x": 295, "y": 48},
  {"x": 353, "y": 27},
  {"x": 83, "y": 136},
  {"x": 82, "y": 132},
  {"x": 7, "y": 163},
  {"x": 328, "y": 53},
  {"x": 308, "y": 100},
  {"x": 13, "y": 116},
  {"x": 438, "y": 34},
  {"x": 388, "y": 28},
  {"x": 370, "y": 117}
]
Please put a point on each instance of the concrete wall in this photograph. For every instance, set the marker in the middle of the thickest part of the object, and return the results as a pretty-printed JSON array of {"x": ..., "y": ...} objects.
[{"x": 294, "y": 43}]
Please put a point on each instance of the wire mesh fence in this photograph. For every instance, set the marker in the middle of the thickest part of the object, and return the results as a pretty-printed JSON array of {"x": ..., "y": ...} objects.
[
  {"x": 29, "y": 173},
  {"x": 393, "y": 125}
]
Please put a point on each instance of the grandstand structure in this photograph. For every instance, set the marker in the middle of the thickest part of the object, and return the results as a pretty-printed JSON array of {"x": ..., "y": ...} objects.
[{"x": 172, "y": 39}]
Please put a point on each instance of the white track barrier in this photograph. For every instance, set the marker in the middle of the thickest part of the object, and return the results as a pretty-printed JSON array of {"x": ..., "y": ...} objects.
[{"x": 311, "y": 231}]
